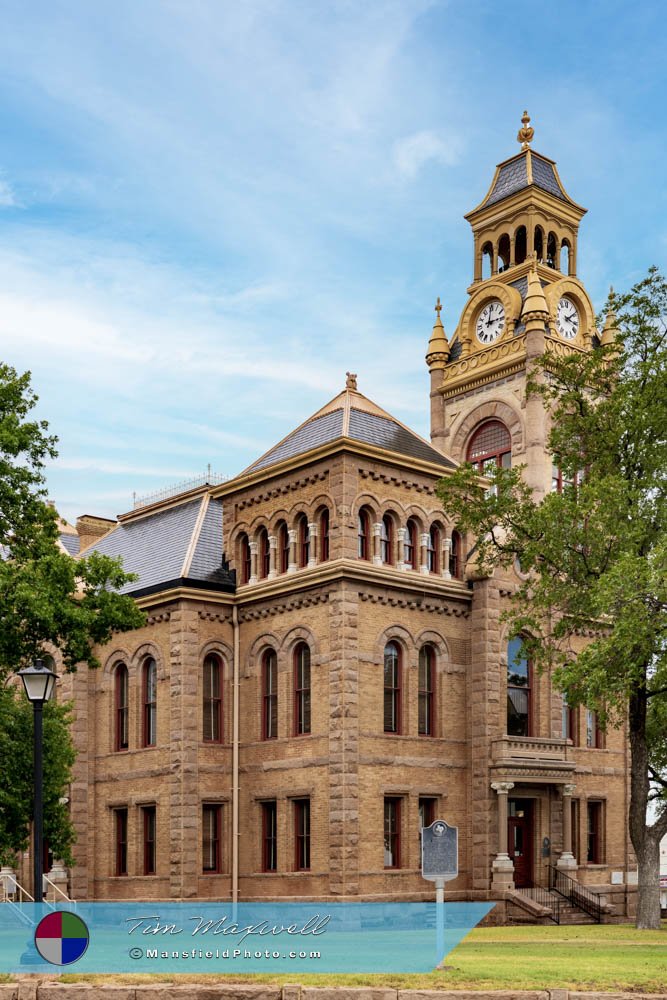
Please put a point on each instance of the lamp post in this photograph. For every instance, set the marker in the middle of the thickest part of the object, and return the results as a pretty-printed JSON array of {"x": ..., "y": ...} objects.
[{"x": 39, "y": 683}]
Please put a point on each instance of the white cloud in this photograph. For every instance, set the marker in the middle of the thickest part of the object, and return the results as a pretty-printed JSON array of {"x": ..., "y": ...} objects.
[
  {"x": 8, "y": 198},
  {"x": 414, "y": 151}
]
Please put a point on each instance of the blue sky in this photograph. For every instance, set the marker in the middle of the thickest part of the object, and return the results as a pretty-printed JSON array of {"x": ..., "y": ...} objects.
[{"x": 210, "y": 210}]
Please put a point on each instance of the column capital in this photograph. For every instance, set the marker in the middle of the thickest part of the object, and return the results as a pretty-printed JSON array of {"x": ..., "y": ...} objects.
[
  {"x": 273, "y": 541},
  {"x": 291, "y": 534},
  {"x": 377, "y": 529},
  {"x": 253, "y": 548},
  {"x": 502, "y": 787},
  {"x": 568, "y": 789}
]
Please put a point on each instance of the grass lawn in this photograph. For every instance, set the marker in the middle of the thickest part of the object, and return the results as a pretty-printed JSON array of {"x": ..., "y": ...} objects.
[{"x": 613, "y": 957}]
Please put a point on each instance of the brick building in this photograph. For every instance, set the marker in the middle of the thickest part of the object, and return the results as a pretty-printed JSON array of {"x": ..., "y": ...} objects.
[{"x": 324, "y": 670}]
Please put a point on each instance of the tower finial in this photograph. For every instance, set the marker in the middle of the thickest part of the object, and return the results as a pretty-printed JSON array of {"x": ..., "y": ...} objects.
[
  {"x": 438, "y": 306},
  {"x": 526, "y": 133},
  {"x": 351, "y": 380}
]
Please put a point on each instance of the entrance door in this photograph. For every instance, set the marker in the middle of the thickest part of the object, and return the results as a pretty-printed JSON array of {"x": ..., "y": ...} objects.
[{"x": 520, "y": 840}]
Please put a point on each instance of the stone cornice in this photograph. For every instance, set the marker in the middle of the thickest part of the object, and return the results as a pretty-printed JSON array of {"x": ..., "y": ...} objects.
[{"x": 284, "y": 488}]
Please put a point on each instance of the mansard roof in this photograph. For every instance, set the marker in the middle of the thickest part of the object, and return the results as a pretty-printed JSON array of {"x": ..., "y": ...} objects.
[
  {"x": 351, "y": 416},
  {"x": 528, "y": 169},
  {"x": 169, "y": 545}
]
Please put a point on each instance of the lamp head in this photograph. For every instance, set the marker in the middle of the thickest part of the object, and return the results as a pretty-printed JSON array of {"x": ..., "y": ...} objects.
[{"x": 38, "y": 682}]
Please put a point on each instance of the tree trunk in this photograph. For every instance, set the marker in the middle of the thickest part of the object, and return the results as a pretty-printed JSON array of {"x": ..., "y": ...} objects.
[
  {"x": 648, "y": 895},
  {"x": 645, "y": 839}
]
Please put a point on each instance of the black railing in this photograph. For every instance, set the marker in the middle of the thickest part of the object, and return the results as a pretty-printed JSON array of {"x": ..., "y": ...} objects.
[
  {"x": 540, "y": 894},
  {"x": 575, "y": 893}
]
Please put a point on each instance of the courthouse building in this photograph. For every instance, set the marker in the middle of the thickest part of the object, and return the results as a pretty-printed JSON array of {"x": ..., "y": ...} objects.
[{"x": 324, "y": 670}]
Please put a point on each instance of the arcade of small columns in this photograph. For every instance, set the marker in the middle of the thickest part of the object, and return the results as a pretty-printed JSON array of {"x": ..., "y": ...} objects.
[
  {"x": 491, "y": 248},
  {"x": 503, "y": 869}
]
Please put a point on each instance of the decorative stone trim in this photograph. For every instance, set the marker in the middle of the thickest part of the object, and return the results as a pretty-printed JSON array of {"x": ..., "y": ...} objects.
[
  {"x": 403, "y": 602},
  {"x": 156, "y": 618},
  {"x": 307, "y": 601},
  {"x": 214, "y": 616},
  {"x": 410, "y": 484},
  {"x": 295, "y": 484}
]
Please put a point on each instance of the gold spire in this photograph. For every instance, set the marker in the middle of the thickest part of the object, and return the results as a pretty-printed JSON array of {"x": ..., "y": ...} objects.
[
  {"x": 535, "y": 302},
  {"x": 526, "y": 133},
  {"x": 437, "y": 353}
]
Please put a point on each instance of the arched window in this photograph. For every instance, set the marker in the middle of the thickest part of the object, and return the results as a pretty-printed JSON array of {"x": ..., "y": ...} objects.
[
  {"x": 551, "y": 251},
  {"x": 245, "y": 560},
  {"x": 264, "y": 553},
  {"x": 283, "y": 547},
  {"x": 491, "y": 446},
  {"x": 411, "y": 545},
  {"x": 324, "y": 534},
  {"x": 149, "y": 698},
  {"x": 538, "y": 244},
  {"x": 387, "y": 540},
  {"x": 520, "y": 245},
  {"x": 364, "y": 534},
  {"x": 301, "y": 689},
  {"x": 455, "y": 557},
  {"x": 269, "y": 695},
  {"x": 487, "y": 261},
  {"x": 519, "y": 714},
  {"x": 565, "y": 257},
  {"x": 392, "y": 688},
  {"x": 122, "y": 706},
  {"x": 212, "y": 699},
  {"x": 503, "y": 252},
  {"x": 303, "y": 540},
  {"x": 426, "y": 691},
  {"x": 433, "y": 549}
]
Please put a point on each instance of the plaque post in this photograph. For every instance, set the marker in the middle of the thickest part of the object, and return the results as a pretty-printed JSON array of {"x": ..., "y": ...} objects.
[{"x": 440, "y": 917}]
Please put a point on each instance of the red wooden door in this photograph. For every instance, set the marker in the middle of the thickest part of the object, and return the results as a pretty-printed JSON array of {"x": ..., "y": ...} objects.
[{"x": 520, "y": 842}]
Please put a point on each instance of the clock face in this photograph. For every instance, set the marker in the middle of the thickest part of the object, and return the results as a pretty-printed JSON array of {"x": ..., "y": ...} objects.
[
  {"x": 567, "y": 319},
  {"x": 490, "y": 322}
]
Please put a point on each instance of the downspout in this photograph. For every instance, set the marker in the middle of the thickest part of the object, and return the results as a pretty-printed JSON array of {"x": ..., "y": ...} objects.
[{"x": 235, "y": 758}]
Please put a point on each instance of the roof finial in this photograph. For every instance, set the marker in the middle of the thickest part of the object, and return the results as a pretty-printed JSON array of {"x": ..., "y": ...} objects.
[
  {"x": 351, "y": 380},
  {"x": 438, "y": 306},
  {"x": 525, "y": 134}
]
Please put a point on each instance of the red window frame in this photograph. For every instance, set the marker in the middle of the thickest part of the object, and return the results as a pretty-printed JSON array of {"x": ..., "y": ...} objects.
[
  {"x": 455, "y": 564},
  {"x": 426, "y": 811},
  {"x": 120, "y": 836},
  {"x": 411, "y": 544},
  {"x": 426, "y": 696},
  {"x": 211, "y": 838},
  {"x": 246, "y": 559},
  {"x": 594, "y": 833},
  {"x": 302, "y": 690},
  {"x": 302, "y": 835},
  {"x": 269, "y": 836},
  {"x": 387, "y": 540},
  {"x": 122, "y": 699},
  {"x": 433, "y": 549},
  {"x": 149, "y": 703},
  {"x": 526, "y": 688},
  {"x": 498, "y": 453},
  {"x": 363, "y": 534},
  {"x": 269, "y": 695},
  {"x": 212, "y": 699},
  {"x": 392, "y": 688},
  {"x": 324, "y": 535},
  {"x": 264, "y": 554},
  {"x": 594, "y": 734},
  {"x": 392, "y": 832},
  {"x": 283, "y": 546},
  {"x": 149, "y": 815},
  {"x": 303, "y": 529}
]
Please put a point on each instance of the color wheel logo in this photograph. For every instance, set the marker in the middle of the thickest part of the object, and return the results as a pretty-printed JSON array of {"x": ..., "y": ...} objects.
[{"x": 61, "y": 938}]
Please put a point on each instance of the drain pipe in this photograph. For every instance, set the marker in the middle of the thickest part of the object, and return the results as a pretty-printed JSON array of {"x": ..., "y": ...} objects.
[{"x": 235, "y": 758}]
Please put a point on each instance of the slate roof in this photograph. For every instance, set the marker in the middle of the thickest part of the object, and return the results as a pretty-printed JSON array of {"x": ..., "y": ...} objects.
[
  {"x": 353, "y": 416},
  {"x": 71, "y": 542},
  {"x": 513, "y": 176},
  {"x": 179, "y": 545}
]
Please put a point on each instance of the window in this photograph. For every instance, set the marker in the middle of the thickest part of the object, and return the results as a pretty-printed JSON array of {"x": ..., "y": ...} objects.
[
  {"x": 121, "y": 694},
  {"x": 518, "y": 691},
  {"x": 120, "y": 831},
  {"x": 433, "y": 549},
  {"x": 569, "y": 723},
  {"x": 426, "y": 813},
  {"x": 210, "y": 845},
  {"x": 149, "y": 689},
  {"x": 594, "y": 845},
  {"x": 392, "y": 688},
  {"x": 594, "y": 734},
  {"x": 269, "y": 695},
  {"x": 246, "y": 559},
  {"x": 411, "y": 548},
  {"x": 212, "y": 701},
  {"x": 264, "y": 554},
  {"x": 455, "y": 560},
  {"x": 490, "y": 447},
  {"x": 426, "y": 690},
  {"x": 301, "y": 689},
  {"x": 575, "y": 828},
  {"x": 392, "y": 833},
  {"x": 149, "y": 839},
  {"x": 559, "y": 482},
  {"x": 283, "y": 547},
  {"x": 324, "y": 535},
  {"x": 269, "y": 836},
  {"x": 302, "y": 834},
  {"x": 387, "y": 540},
  {"x": 303, "y": 537},
  {"x": 364, "y": 534}
]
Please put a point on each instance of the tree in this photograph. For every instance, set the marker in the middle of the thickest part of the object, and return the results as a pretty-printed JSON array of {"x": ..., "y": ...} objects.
[{"x": 592, "y": 601}]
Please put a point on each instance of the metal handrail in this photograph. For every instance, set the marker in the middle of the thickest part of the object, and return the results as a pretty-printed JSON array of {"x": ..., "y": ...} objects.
[
  {"x": 577, "y": 894},
  {"x": 5, "y": 895},
  {"x": 56, "y": 888},
  {"x": 542, "y": 895}
]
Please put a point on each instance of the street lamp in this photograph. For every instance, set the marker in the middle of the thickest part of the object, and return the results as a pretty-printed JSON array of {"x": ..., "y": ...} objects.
[{"x": 39, "y": 683}]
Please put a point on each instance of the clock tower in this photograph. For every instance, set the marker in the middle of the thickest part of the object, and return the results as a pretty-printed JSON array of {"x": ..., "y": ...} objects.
[{"x": 525, "y": 299}]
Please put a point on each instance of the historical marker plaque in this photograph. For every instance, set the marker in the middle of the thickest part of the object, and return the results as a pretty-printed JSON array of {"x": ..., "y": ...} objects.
[{"x": 440, "y": 851}]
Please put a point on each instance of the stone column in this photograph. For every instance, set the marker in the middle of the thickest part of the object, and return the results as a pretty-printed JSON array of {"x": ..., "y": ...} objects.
[
  {"x": 512, "y": 250},
  {"x": 377, "y": 532},
  {"x": 401, "y": 548},
  {"x": 273, "y": 561},
  {"x": 446, "y": 551},
  {"x": 567, "y": 859},
  {"x": 423, "y": 553},
  {"x": 503, "y": 869},
  {"x": 312, "y": 546},
  {"x": 292, "y": 566},
  {"x": 253, "y": 562}
]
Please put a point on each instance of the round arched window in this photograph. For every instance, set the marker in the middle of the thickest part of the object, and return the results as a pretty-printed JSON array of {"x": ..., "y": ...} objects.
[{"x": 490, "y": 446}]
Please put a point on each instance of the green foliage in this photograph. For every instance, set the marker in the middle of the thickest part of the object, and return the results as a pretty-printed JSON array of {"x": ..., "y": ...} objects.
[
  {"x": 46, "y": 598},
  {"x": 16, "y": 788}
]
